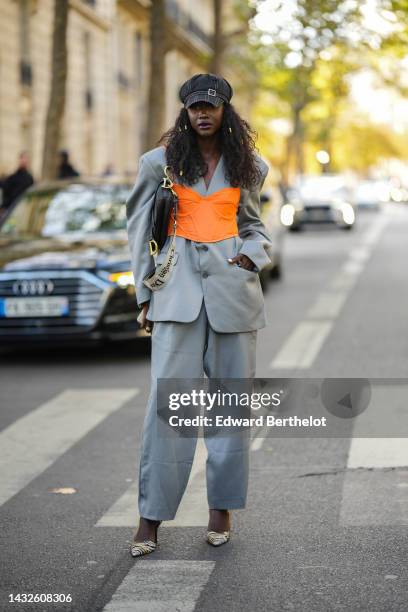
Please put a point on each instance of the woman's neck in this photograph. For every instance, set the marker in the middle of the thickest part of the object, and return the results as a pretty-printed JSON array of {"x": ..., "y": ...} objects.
[{"x": 209, "y": 147}]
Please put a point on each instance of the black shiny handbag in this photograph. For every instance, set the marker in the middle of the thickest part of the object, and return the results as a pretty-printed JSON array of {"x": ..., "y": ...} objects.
[{"x": 165, "y": 200}]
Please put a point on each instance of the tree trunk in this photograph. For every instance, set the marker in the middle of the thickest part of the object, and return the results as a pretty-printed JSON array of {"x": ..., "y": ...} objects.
[
  {"x": 326, "y": 168},
  {"x": 56, "y": 103},
  {"x": 286, "y": 166},
  {"x": 218, "y": 40},
  {"x": 157, "y": 93},
  {"x": 294, "y": 145},
  {"x": 298, "y": 138}
]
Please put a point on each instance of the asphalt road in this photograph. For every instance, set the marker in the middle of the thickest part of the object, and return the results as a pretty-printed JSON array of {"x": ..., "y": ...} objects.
[{"x": 326, "y": 523}]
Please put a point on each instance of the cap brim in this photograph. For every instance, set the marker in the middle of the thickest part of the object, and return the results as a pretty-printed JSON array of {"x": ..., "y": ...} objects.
[{"x": 202, "y": 97}]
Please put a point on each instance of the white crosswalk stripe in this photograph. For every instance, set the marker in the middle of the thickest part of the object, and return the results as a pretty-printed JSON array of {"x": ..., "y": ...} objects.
[
  {"x": 386, "y": 416},
  {"x": 32, "y": 443},
  {"x": 328, "y": 304},
  {"x": 161, "y": 586},
  {"x": 258, "y": 438},
  {"x": 378, "y": 453},
  {"x": 375, "y": 487},
  {"x": 302, "y": 346}
]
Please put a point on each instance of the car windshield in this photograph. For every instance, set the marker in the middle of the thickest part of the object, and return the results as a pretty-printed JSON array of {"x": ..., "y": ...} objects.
[
  {"x": 76, "y": 208},
  {"x": 322, "y": 188}
]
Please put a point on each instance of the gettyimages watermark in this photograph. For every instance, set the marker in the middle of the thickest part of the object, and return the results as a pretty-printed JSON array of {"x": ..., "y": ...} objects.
[{"x": 283, "y": 407}]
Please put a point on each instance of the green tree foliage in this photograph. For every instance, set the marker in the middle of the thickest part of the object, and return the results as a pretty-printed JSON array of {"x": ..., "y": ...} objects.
[
  {"x": 360, "y": 145},
  {"x": 302, "y": 65},
  {"x": 306, "y": 59}
]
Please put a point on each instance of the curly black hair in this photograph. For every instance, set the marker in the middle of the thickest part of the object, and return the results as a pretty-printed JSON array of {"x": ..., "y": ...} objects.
[{"x": 237, "y": 142}]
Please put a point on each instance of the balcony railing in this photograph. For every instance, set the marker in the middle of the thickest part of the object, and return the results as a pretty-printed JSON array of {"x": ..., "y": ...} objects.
[{"x": 185, "y": 21}]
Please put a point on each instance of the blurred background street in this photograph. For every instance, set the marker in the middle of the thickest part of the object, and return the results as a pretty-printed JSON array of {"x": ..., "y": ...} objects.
[{"x": 90, "y": 86}]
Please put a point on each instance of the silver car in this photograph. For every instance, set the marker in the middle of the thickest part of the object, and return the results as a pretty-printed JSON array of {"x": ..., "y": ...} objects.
[
  {"x": 271, "y": 204},
  {"x": 319, "y": 199}
]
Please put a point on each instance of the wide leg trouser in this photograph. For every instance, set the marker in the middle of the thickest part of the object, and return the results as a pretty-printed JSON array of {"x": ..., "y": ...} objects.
[{"x": 188, "y": 350}]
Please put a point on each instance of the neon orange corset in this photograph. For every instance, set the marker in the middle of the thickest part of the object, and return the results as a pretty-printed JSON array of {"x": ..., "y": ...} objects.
[{"x": 206, "y": 218}]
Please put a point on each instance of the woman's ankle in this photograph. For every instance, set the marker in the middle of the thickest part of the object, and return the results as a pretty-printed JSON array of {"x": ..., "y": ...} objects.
[{"x": 219, "y": 519}]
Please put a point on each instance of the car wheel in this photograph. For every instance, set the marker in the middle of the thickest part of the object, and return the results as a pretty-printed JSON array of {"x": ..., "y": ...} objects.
[
  {"x": 276, "y": 272},
  {"x": 264, "y": 278}
]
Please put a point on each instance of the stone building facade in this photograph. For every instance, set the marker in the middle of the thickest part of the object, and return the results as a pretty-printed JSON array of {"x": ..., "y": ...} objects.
[{"x": 107, "y": 83}]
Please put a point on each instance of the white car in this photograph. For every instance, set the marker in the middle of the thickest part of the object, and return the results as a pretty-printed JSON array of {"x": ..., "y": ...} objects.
[
  {"x": 372, "y": 194},
  {"x": 318, "y": 199},
  {"x": 271, "y": 203}
]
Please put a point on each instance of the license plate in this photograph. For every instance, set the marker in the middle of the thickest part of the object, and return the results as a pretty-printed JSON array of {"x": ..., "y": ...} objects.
[
  {"x": 54, "y": 306},
  {"x": 319, "y": 215}
]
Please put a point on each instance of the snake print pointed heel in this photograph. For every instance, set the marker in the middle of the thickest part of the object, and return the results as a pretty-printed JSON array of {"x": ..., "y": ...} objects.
[
  {"x": 138, "y": 549},
  {"x": 215, "y": 538}
]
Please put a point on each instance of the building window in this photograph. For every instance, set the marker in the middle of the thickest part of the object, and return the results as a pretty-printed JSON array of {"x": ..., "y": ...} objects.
[
  {"x": 186, "y": 21},
  {"x": 26, "y": 76},
  {"x": 138, "y": 60},
  {"x": 123, "y": 80},
  {"x": 89, "y": 101},
  {"x": 124, "y": 57}
]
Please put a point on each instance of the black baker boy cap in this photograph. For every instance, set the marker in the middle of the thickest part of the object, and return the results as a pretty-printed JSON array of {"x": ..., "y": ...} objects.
[{"x": 205, "y": 88}]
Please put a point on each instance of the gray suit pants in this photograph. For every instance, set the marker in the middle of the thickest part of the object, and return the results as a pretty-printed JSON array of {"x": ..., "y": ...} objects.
[{"x": 188, "y": 350}]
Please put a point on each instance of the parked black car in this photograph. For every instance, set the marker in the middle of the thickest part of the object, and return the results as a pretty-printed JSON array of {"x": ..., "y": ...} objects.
[{"x": 65, "y": 269}]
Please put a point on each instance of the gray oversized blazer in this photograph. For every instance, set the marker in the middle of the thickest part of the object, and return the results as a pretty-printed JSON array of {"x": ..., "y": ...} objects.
[{"x": 232, "y": 295}]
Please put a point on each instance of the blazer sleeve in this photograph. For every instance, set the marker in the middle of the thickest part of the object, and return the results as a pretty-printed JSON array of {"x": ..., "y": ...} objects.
[
  {"x": 257, "y": 241},
  {"x": 138, "y": 214}
]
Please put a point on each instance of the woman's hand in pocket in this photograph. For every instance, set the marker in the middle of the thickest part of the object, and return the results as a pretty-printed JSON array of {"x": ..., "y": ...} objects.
[
  {"x": 242, "y": 261},
  {"x": 145, "y": 323}
]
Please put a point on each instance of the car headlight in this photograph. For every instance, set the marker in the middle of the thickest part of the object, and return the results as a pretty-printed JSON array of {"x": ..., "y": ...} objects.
[
  {"x": 297, "y": 204},
  {"x": 397, "y": 195},
  {"x": 348, "y": 213},
  {"x": 123, "y": 279},
  {"x": 287, "y": 214}
]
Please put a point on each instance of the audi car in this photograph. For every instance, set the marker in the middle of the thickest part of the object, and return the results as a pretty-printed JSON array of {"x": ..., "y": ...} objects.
[{"x": 65, "y": 269}]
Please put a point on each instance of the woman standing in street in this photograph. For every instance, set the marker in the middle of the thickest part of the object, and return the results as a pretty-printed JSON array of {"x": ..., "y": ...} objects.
[{"x": 205, "y": 318}]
